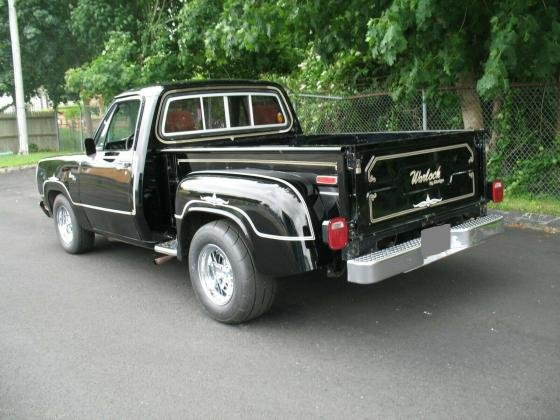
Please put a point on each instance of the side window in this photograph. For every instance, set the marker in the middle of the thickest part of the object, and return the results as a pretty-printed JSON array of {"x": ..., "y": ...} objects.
[
  {"x": 266, "y": 110},
  {"x": 183, "y": 115},
  {"x": 214, "y": 112},
  {"x": 118, "y": 132},
  {"x": 239, "y": 111}
]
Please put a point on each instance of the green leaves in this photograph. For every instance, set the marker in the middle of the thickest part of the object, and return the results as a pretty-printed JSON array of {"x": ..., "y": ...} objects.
[{"x": 319, "y": 45}]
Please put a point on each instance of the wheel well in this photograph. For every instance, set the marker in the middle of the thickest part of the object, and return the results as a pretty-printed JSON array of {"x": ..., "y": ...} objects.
[
  {"x": 195, "y": 221},
  {"x": 51, "y": 195}
]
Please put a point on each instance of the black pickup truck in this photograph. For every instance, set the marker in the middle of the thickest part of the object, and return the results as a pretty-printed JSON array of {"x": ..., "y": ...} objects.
[{"x": 219, "y": 174}]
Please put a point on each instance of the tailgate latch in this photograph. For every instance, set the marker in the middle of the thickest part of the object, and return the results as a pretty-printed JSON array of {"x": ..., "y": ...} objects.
[{"x": 354, "y": 164}]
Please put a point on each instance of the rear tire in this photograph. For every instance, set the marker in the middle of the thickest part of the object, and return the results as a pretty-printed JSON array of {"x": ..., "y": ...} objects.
[
  {"x": 73, "y": 238},
  {"x": 224, "y": 277}
]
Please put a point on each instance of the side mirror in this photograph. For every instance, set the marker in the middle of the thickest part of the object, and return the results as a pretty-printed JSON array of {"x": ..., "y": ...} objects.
[{"x": 90, "y": 146}]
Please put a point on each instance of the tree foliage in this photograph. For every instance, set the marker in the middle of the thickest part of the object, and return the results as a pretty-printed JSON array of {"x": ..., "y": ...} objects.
[
  {"x": 109, "y": 46},
  {"x": 44, "y": 33},
  {"x": 429, "y": 43}
]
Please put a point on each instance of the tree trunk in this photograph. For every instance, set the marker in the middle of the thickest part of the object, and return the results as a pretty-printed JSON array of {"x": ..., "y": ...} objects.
[
  {"x": 470, "y": 102},
  {"x": 557, "y": 128},
  {"x": 87, "y": 119},
  {"x": 496, "y": 108}
]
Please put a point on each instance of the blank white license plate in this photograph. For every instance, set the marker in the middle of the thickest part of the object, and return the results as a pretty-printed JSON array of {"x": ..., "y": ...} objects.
[{"x": 435, "y": 240}]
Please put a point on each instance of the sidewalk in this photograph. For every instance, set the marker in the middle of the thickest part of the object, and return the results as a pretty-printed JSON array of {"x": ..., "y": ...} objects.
[{"x": 538, "y": 221}]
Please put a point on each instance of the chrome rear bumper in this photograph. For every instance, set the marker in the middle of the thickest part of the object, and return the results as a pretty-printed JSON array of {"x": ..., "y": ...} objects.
[{"x": 407, "y": 256}]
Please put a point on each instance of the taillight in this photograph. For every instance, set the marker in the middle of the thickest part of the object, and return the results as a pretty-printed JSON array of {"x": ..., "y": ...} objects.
[
  {"x": 497, "y": 191},
  {"x": 326, "y": 180},
  {"x": 337, "y": 233}
]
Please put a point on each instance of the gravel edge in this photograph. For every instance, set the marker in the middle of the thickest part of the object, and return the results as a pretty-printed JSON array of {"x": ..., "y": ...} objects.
[
  {"x": 536, "y": 221},
  {"x": 16, "y": 168}
]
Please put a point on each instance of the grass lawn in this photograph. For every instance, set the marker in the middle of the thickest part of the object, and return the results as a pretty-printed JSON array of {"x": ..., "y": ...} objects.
[
  {"x": 529, "y": 205},
  {"x": 23, "y": 160}
]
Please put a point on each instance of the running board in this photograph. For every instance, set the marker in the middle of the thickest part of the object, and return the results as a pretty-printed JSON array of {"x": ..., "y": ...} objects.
[{"x": 167, "y": 248}]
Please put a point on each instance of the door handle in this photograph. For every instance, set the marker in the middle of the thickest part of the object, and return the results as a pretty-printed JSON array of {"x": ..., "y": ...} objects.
[
  {"x": 123, "y": 165},
  {"x": 109, "y": 159},
  {"x": 111, "y": 153}
]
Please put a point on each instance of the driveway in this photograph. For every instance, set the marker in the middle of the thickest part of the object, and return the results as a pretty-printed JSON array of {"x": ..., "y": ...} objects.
[{"x": 110, "y": 335}]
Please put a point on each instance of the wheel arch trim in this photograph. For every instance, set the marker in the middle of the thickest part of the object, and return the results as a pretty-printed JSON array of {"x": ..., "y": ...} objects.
[{"x": 301, "y": 200}]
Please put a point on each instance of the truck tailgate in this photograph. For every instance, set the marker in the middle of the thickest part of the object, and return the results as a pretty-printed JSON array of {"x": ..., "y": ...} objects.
[{"x": 409, "y": 178}]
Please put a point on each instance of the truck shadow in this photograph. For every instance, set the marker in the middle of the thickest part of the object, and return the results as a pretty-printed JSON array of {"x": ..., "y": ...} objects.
[
  {"x": 416, "y": 296},
  {"x": 401, "y": 301}
]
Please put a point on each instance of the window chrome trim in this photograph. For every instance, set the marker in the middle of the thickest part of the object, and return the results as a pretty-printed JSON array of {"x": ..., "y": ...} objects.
[
  {"x": 224, "y": 133},
  {"x": 256, "y": 149},
  {"x": 109, "y": 117},
  {"x": 225, "y": 95}
]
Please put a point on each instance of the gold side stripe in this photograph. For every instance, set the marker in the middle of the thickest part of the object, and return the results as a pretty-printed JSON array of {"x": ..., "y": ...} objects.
[{"x": 264, "y": 162}]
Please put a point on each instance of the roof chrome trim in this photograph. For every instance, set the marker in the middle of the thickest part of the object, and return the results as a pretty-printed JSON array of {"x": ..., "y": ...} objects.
[{"x": 256, "y": 149}]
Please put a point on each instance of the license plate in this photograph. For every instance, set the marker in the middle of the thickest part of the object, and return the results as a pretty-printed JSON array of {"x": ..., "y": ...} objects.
[{"x": 435, "y": 240}]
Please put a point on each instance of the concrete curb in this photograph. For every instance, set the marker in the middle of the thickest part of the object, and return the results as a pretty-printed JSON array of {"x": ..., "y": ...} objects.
[
  {"x": 545, "y": 222},
  {"x": 16, "y": 168}
]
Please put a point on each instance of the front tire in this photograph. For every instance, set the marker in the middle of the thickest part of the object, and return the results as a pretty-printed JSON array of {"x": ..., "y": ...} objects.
[
  {"x": 73, "y": 238},
  {"x": 224, "y": 277}
]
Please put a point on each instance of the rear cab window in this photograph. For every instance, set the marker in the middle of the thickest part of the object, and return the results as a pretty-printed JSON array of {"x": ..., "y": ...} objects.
[{"x": 187, "y": 116}]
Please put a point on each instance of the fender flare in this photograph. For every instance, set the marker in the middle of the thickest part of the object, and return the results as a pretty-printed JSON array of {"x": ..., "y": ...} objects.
[
  {"x": 270, "y": 212},
  {"x": 50, "y": 185}
]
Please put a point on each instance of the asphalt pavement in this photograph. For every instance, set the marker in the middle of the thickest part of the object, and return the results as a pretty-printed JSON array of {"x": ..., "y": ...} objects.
[{"x": 110, "y": 335}]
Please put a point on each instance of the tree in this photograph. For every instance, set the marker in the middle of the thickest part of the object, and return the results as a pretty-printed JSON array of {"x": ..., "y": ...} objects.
[
  {"x": 170, "y": 40},
  {"x": 47, "y": 47},
  {"x": 478, "y": 44},
  {"x": 131, "y": 43}
]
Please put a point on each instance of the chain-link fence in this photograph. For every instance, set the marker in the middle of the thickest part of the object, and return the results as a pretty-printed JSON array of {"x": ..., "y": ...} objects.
[{"x": 523, "y": 126}]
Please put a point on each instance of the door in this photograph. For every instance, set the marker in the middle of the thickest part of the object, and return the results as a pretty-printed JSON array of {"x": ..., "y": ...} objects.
[{"x": 106, "y": 178}]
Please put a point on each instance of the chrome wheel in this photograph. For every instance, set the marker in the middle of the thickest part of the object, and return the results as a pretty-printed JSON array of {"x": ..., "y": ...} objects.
[
  {"x": 64, "y": 224},
  {"x": 215, "y": 274}
]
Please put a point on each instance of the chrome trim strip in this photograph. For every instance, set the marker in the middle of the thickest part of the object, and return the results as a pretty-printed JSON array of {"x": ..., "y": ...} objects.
[
  {"x": 372, "y": 197},
  {"x": 167, "y": 248},
  {"x": 263, "y": 235},
  {"x": 89, "y": 206},
  {"x": 257, "y": 232},
  {"x": 375, "y": 159},
  {"x": 405, "y": 257},
  {"x": 236, "y": 219},
  {"x": 264, "y": 162},
  {"x": 256, "y": 149},
  {"x": 328, "y": 193}
]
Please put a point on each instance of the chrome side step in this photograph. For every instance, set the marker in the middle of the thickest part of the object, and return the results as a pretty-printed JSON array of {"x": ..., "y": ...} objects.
[
  {"x": 407, "y": 256},
  {"x": 167, "y": 248}
]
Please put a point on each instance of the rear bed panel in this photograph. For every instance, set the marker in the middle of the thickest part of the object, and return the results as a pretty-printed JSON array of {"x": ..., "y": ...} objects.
[{"x": 416, "y": 179}]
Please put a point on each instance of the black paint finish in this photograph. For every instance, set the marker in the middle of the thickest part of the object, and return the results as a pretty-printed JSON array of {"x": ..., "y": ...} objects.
[{"x": 265, "y": 185}]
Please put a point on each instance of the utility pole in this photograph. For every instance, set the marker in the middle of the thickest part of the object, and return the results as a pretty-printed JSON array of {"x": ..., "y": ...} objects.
[{"x": 18, "y": 80}]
